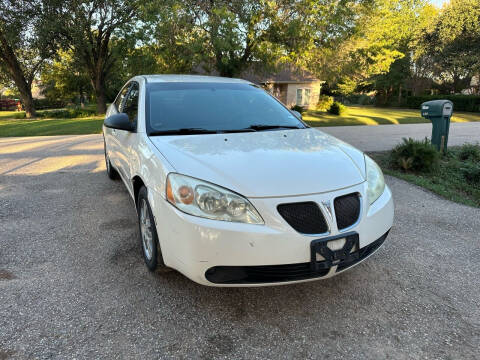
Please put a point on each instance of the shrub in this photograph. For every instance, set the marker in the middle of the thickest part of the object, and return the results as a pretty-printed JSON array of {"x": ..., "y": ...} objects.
[
  {"x": 359, "y": 99},
  {"x": 365, "y": 100},
  {"x": 414, "y": 155},
  {"x": 469, "y": 152},
  {"x": 471, "y": 172},
  {"x": 298, "y": 108},
  {"x": 41, "y": 104},
  {"x": 460, "y": 102},
  {"x": 337, "y": 108},
  {"x": 68, "y": 113},
  {"x": 324, "y": 102},
  {"x": 60, "y": 114}
]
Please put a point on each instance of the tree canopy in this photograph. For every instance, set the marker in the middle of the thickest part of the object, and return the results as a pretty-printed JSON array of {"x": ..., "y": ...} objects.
[
  {"x": 25, "y": 44},
  {"x": 89, "y": 48}
]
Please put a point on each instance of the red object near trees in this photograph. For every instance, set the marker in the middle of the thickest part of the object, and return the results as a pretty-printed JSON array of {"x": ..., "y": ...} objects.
[{"x": 8, "y": 104}]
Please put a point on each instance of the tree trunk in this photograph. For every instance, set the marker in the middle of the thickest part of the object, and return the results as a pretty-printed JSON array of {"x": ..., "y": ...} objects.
[
  {"x": 25, "y": 90},
  {"x": 101, "y": 102},
  {"x": 15, "y": 73},
  {"x": 100, "y": 94},
  {"x": 399, "y": 95},
  {"x": 28, "y": 104}
]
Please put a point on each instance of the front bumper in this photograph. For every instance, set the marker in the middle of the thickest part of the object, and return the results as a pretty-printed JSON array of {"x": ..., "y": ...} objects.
[
  {"x": 219, "y": 253},
  {"x": 290, "y": 272}
]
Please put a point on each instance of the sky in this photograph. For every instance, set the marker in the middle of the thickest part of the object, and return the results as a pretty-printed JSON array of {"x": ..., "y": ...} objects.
[{"x": 439, "y": 3}]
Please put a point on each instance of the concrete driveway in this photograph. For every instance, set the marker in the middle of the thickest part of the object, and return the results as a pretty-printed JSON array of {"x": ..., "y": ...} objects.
[
  {"x": 384, "y": 137},
  {"x": 73, "y": 283}
]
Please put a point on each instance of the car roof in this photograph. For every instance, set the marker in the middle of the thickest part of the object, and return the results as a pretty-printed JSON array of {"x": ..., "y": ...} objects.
[{"x": 191, "y": 78}]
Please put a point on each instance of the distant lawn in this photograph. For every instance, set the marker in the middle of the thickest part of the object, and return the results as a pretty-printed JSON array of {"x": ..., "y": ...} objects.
[
  {"x": 40, "y": 127},
  {"x": 370, "y": 115}
]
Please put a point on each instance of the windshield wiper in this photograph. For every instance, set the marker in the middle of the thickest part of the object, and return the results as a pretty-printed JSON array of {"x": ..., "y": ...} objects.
[
  {"x": 193, "y": 131},
  {"x": 259, "y": 127},
  {"x": 237, "y": 130},
  {"x": 183, "y": 131}
]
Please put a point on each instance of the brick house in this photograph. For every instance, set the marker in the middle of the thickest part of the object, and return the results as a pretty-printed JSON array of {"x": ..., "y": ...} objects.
[{"x": 290, "y": 85}]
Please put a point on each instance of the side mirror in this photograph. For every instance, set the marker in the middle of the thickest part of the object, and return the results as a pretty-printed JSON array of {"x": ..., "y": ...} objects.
[
  {"x": 120, "y": 122},
  {"x": 297, "y": 114}
]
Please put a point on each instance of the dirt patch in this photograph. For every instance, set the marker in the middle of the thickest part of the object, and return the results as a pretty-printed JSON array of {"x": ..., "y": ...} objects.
[
  {"x": 5, "y": 275},
  {"x": 119, "y": 224},
  {"x": 5, "y": 354},
  {"x": 126, "y": 255},
  {"x": 218, "y": 346}
]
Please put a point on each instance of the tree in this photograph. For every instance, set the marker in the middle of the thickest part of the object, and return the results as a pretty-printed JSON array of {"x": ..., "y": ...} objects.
[
  {"x": 371, "y": 40},
  {"x": 231, "y": 36},
  {"x": 24, "y": 45},
  {"x": 96, "y": 31},
  {"x": 453, "y": 43},
  {"x": 64, "y": 79}
]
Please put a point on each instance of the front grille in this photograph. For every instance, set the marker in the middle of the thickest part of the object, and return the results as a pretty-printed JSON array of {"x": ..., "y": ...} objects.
[
  {"x": 305, "y": 217},
  {"x": 281, "y": 273},
  {"x": 347, "y": 210}
]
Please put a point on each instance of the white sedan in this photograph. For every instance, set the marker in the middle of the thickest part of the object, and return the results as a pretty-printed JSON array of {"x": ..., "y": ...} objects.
[{"x": 233, "y": 189}]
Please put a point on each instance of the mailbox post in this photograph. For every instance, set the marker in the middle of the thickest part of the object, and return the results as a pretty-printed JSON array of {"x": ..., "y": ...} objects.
[{"x": 439, "y": 113}]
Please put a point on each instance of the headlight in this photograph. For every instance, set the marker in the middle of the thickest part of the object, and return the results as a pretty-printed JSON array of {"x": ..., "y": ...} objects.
[
  {"x": 376, "y": 182},
  {"x": 200, "y": 198}
]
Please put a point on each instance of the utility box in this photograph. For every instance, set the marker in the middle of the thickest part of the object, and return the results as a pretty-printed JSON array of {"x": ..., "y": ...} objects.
[{"x": 439, "y": 113}]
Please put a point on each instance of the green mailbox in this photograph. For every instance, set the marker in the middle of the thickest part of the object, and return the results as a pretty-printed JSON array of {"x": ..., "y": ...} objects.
[{"x": 439, "y": 113}]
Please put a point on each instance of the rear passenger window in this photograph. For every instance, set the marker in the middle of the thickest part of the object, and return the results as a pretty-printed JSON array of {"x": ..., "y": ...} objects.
[{"x": 131, "y": 103}]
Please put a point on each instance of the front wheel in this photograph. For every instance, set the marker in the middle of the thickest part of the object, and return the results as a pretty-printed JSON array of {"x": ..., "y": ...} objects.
[{"x": 148, "y": 233}]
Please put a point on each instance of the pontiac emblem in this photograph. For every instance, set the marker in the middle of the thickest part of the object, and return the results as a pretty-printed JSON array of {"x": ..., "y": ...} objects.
[{"x": 328, "y": 207}]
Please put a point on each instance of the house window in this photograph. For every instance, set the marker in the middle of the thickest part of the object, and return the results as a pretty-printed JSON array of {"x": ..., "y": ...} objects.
[{"x": 303, "y": 97}]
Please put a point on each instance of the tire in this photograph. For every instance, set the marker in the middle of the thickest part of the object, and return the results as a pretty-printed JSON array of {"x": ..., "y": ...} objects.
[
  {"x": 111, "y": 172},
  {"x": 148, "y": 233}
]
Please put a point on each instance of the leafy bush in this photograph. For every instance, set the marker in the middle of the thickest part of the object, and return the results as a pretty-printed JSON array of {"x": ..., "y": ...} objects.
[
  {"x": 41, "y": 104},
  {"x": 414, "y": 155},
  {"x": 337, "y": 108},
  {"x": 359, "y": 99},
  {"x": 298, "y": 108},
  {"x": 471, "y": 172},
  {"x": 324, "y": 102},
  {"x": 460, "y": 102},
  {"x": 469, "y": 152},
  {"x": 61, "y": 114}
]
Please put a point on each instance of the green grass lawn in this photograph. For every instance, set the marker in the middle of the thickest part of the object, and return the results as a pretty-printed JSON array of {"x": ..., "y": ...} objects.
[
  {"x": 11, "y": 125},
  {"x": 370, "y": 115},
  {"x": 37, "y": 127}
]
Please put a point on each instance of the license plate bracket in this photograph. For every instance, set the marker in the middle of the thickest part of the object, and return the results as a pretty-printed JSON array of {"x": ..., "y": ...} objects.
[{"x": 334, "y": 257}]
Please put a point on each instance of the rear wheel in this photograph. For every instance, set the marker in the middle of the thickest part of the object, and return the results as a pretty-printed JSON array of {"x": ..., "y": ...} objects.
[
  {"x": 148, "y": 233},
  {"x": 111, "y": 172}
]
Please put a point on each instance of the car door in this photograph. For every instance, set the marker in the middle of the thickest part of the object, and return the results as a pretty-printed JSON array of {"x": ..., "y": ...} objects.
[
  {"x": 110, "y": 135},
  {"x": 127, "y": 139}
]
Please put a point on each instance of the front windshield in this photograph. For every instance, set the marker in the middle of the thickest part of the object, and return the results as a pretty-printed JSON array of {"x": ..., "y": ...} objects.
[{"x": 214, "y": 107}]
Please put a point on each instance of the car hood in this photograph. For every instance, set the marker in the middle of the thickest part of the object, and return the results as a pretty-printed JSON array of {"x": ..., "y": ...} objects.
[{"x": 266, "y": 163}]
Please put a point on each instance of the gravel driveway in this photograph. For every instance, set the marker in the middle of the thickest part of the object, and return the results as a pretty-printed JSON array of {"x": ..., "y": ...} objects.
[{"x": 73, "y": 283}]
